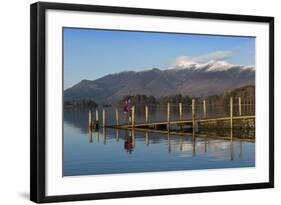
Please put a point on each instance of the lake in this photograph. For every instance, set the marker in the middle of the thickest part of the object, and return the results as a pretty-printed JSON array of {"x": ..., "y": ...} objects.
[{"x": 113, "y": 151}]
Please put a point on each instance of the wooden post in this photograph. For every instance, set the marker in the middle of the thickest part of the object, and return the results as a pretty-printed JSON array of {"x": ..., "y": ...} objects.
[
  {"x": 97, "y": 116},
  {"x": 117, "y": 116},
  {"x": 231, "y": 146},
  {"x": 193, "y": 114},
  {"x": 133, "y": 116},
  {"x": 231, "y": 111},
  {"x": 168, "y": 116},
  {"x": 146, "y": 113},
  {"x": 247, "y": 106},
  {"x": 103, "y": 118},
  {"x": 239, "y": 106},
  {"x": 204, "y": 108},
  {"x": 180, "y": 110},
  {"x": 90, "y": 118}
]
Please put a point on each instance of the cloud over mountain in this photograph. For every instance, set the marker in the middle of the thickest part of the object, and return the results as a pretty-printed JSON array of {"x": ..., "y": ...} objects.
[{"x": 214, "y": 61}]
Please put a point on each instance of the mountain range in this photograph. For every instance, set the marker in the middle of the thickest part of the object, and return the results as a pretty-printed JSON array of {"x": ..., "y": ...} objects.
[{"x": 189, "y": 78}]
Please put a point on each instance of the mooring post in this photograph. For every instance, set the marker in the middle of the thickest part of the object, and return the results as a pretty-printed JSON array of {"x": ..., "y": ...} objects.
[
  {"x": 146, "y": 113},
  {"x": 90, "y": 118},
  {"x": 117, "y": 116},
  {"x": 180, "y": 110},
  {"x": 231, "y": 146},
  {"x": 97, "y": 116},
  {"x": 168, "y": 116},
  {"x": 239, "y": 106},
  {"x": 193, "y": 114},
  {"x": 247, "y": 106},
  {"x": 133, "y": 117},
  {"x": 103, "y": 118},
  {"x": 204, "y": 108},
  {"x": 231, "y": 111}
]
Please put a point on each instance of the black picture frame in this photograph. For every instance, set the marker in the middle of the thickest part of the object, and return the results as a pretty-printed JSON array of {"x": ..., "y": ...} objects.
[{"x": 38, "y": 101}]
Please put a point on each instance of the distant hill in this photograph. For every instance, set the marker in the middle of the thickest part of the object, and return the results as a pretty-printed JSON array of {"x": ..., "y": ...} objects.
[{"x": 213, "y": 78}]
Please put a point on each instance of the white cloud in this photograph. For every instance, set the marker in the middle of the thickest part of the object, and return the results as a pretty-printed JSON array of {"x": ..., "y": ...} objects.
[
  {"x": 214, "y": 61},
  {"x": 217, "y": 55}
]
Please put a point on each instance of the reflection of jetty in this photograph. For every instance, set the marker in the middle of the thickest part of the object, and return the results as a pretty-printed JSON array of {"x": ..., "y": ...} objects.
[{"x": 184, "y": 141}]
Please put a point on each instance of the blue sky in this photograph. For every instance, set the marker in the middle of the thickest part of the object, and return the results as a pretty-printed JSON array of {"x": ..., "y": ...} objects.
[{"x": 91, "y": 53}]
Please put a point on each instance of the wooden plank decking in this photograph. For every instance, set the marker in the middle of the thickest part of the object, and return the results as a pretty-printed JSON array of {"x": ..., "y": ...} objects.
[{"x": 179, "y": 122}]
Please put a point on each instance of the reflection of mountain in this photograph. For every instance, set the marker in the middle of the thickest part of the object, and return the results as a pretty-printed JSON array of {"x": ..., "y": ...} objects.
[{"x": 203, "y": 80}]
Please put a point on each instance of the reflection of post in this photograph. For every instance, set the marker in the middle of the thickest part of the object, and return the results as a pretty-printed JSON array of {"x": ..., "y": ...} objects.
[
  {"x": 146, "y": 113},
  {"x": 193, "y": 144},
  {"x": 97, "y": 136},
  {"x": 117, "y": 135},
  {"x": 241, "y": 149},
  {"x": 204, "y": 108},
  {"x": 231, "y": 112},
  {"x": 133, "y": 116},
  {"x": 168, "y": 116},
  {"x": 181, "y": 143},
  {"x": 133, "y": 138},
  {"x": 193, "y": 114},
  {"x": 180, "y": 110},
  {"x": 90, "y": 118},
  {"x": 104, "y": 135},
  {"x": 90, "y": 135},
  {"x": 169, "y": 143},
  {"x": 146, "y": 138},
  {"x": 117, "y": 116},
  {"x": 231, "y": 146},
  {"x": 239, "y": 106},
  {"x": 205, "y": 144},
  {"x": 103, "y": 118}
]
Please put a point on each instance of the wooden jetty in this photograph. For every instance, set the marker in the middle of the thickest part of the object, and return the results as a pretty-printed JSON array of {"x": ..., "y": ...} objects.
[
  {"x": 230, "y": 121},
  {"x": 190, "y": 122}
]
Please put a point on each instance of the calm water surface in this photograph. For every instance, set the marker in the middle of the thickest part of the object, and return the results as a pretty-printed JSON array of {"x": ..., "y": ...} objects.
[{"x": 114, "y": 151}]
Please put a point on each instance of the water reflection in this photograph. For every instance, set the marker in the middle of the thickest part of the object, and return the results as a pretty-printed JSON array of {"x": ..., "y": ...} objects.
[
  {"x": 129, "y": 142},
  {"x": 185, "y": 143},
  {"x": 125, "y": 151}
]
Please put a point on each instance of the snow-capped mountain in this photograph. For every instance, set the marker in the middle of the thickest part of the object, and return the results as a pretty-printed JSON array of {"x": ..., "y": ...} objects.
[{"x": 186, "y": 77}]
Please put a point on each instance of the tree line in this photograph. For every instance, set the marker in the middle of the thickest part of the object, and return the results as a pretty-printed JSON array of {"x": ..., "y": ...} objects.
[{"x": 247, "y": 94}]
